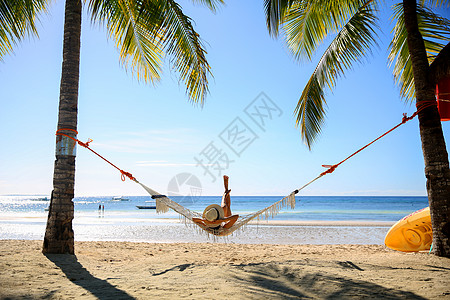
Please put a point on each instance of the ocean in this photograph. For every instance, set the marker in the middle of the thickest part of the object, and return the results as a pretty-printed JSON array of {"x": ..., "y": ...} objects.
[{"x": 24, "y": 217}]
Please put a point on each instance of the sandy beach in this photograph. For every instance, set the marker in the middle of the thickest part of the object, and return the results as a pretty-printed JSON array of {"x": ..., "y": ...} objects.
[{"x": 126, "y": 270}]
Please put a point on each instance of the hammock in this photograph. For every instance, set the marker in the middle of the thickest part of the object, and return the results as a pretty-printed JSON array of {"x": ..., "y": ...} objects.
[{"x": 164, "y": 203}]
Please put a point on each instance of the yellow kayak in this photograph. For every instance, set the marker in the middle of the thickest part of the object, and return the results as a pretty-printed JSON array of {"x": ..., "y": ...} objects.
[{"x": 412, "y": 233}]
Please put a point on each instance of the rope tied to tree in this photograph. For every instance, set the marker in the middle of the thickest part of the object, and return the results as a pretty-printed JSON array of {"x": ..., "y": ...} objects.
[
  {"x": 124, "y": 174},
  {"x": 331, "y": 168}
]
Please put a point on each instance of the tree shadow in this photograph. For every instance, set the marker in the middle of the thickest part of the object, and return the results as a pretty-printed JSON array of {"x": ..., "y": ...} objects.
[
  {"x": 76, "y": 273},
  {"x": 272, "y": 282}
]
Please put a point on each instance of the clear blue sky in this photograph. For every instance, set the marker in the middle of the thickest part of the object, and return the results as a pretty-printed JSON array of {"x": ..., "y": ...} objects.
[{"x": 155, "y": 133}]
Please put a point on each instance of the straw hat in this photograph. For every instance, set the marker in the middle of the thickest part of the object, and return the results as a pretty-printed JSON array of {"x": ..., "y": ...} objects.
[{"x": 213, "y": 212}]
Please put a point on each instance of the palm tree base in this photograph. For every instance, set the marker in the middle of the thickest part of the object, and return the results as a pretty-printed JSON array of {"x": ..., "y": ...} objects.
[{"x": 59, "y": 237}]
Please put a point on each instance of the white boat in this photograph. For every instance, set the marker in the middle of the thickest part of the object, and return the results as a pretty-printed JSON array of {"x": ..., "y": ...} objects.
[{"x": 119, "y": 198}]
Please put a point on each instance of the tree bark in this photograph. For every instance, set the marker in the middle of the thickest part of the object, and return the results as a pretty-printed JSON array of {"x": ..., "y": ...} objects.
[
  {"x": 59, "y": 237},
  {"x": 433, "y": 144}
]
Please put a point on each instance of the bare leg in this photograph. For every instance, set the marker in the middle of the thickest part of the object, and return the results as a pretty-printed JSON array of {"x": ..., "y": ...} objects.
[{"x": 226, "y": 201}]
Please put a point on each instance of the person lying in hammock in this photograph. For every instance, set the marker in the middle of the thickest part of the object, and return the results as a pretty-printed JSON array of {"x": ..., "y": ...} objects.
[{"x": 215, "y": 216}]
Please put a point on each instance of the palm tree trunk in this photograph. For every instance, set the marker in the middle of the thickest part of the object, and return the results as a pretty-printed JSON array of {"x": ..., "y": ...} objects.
[
  {"x": 433, "y": 144},
  {"x": 59, "y": 236}
]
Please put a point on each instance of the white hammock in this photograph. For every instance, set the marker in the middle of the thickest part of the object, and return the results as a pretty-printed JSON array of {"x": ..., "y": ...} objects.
[{"x": 163, "y": 204}]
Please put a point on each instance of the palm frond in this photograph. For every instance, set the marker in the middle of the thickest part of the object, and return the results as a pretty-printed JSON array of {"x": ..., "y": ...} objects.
[
  {"x": 17, "y": 20},
  {"x": 435, "y": 31},
  {"x": 436, "y": 3},
  {"x": 183, "y": 44},
  {"x": 275, "y": 11},
  {"x": 351, "y": 44},
  {"x": 135, "y": 40},
  {"x": 144, "y": 30},
  {"x": 211, "y": 4},
  {"x": 308, "y": 23},
  {"x": 310, "y": 111}
]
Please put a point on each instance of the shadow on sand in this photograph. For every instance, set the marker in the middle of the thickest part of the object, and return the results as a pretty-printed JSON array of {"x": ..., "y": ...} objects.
[
  {"x": 272, "y": 282},
  {"x": 76, "y": 273}
]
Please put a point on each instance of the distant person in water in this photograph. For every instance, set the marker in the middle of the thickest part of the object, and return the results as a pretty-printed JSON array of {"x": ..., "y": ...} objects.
[{"x": 215, "y": 216}]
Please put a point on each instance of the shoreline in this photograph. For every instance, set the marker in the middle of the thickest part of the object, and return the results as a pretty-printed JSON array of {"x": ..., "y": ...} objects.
[
  {"x": 126, "y": 270},
  {"x": 161, "y": 220},
  {"x": 174, "y": 231},
  {"x": 323, "y": 223}
]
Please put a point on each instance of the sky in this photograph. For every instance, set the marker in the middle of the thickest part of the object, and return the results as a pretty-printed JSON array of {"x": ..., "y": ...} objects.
[{"x": 176, "y": 147}]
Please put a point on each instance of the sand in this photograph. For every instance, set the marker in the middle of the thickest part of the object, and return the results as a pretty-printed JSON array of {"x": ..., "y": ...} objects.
[{"x": 126, "y": 270}]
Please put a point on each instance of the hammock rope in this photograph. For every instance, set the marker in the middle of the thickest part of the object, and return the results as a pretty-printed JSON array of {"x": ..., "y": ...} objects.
[
  {"x": 164, "y": 203},
  {"x": 86, "y": 145}
]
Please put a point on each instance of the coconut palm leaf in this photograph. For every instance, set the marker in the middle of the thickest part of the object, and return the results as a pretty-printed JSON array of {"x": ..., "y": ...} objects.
[
  {"x": 352, "y": 43},
  {"x": 310, "y": 111},
  {"x": 18, "y": 19},
  {"x": 211, "y": 4},
  {"x": 275, "y": 12},
  {"x": 436, "y": 34},
  {"x": 436, "y": 3},
  {"x": 143, "y": 30},
  {"x": 308, "y": 23},
  {"x": 133, "y": 41},
  {"x": 184, "y": 46}
]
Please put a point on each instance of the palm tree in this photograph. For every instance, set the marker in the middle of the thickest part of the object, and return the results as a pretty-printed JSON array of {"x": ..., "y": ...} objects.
[
  {"x": 144, "y": 31},
  {"x": 420, "y": 50}
]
